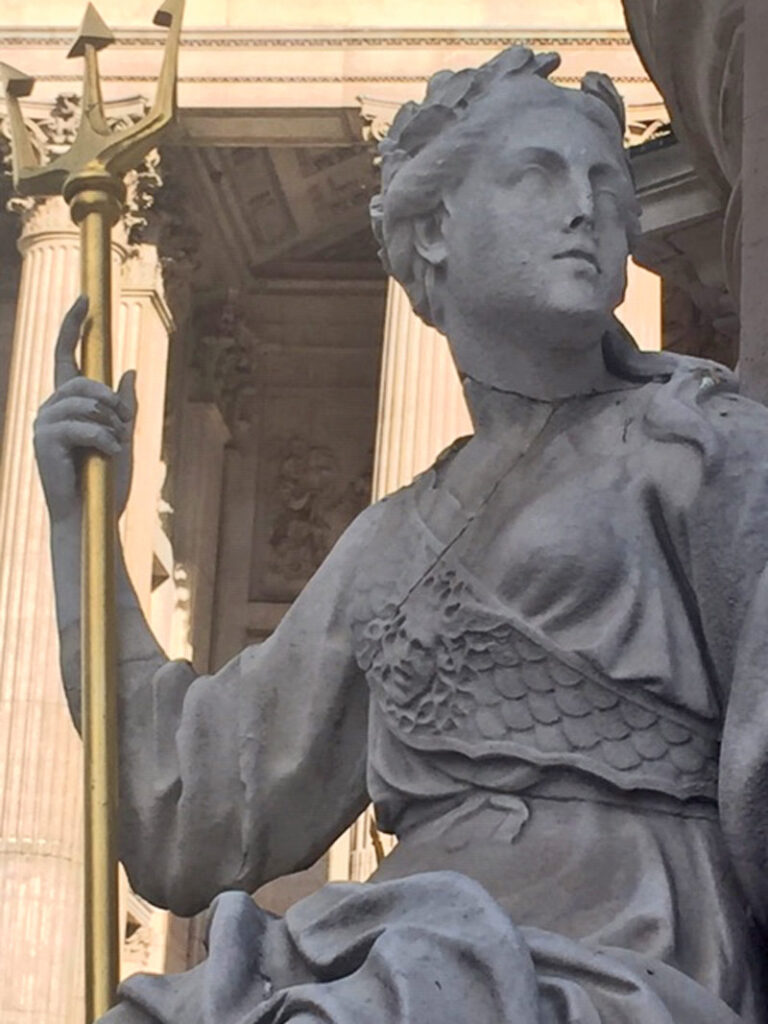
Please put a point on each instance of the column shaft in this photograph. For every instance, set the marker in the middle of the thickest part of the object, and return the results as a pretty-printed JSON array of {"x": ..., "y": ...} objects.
[
  {"x": 641, "y": 310},
  {"x": 421, "y": 403},
  {"x": 41, "y": 862},
  {"x": 40, "y": 764},
  {"x": 143, "y": 324}
]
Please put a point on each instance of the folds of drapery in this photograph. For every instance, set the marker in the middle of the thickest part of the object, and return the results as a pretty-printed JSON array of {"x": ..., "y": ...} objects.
[
  {"x": 431, "y": 947},
  {"x": 694, "y": 52}
]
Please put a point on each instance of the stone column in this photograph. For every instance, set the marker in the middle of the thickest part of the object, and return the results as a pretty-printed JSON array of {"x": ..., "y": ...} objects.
[
  {"x": 40, "y": 767},
  {"x": 421, "y": 403},
  {"x": 141, "y": 343},
  {"x": 641, "y": 310}
]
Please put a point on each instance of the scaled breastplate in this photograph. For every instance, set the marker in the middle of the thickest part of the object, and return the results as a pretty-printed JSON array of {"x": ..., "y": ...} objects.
[{"x": 450, "y": 673}]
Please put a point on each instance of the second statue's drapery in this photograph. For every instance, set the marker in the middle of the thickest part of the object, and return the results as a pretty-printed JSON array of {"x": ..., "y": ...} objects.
[{"x": 694, "y": 51}]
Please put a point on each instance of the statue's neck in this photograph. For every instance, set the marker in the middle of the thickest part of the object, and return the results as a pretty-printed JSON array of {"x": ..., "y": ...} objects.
[{"x": 539, "y": 366}]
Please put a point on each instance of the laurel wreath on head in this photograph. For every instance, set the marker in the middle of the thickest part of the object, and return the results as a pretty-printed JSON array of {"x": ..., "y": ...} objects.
[{"x": 450, "y": 94}]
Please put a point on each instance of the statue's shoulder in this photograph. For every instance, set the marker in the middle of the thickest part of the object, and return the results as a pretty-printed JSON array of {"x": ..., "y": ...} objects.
[
  {"x": 696, "y": 406},
  {"x": 712, "y": 391},
  {"x": 399, "y": 501}
]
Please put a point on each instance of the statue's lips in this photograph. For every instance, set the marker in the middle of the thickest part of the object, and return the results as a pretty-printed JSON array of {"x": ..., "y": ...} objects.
[{"x": 580, "y": 254}]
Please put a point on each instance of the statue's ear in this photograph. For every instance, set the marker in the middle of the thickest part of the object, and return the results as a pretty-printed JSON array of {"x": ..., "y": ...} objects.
[{"x": 428, "y": 237}]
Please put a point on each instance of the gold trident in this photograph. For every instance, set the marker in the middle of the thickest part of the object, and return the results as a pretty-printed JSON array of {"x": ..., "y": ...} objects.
[{"x": 90, "y": 177}]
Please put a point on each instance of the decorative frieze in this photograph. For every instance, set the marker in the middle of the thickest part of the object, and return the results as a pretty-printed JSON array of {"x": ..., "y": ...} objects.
[{"x": 222, "y": 39}]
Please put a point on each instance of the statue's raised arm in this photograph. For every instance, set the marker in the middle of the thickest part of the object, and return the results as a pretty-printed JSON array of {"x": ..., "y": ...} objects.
[{"x": 229, "y": 780}]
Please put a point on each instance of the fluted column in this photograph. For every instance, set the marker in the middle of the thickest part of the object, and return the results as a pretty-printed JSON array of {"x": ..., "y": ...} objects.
[
  {"x": 641, "y": 310},
  {"x": 143, "y": 323},
  {"x": 421, "y": 403},
  {"x": 40, "y": 755},
  {"x": 141, "y": 344}
]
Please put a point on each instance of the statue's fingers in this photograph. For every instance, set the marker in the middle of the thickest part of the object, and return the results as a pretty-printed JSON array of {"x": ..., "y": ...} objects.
[
  {"x": 76, "y": 408},
  {"x": 65, "y": 367},
  {"x": 91, "y": 435}
]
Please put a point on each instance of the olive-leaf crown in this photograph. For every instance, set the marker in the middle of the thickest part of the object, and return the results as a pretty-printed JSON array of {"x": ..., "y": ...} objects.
[{"x": 450, "y": 94}]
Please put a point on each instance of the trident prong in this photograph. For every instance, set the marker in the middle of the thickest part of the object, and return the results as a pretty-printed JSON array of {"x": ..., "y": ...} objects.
[
  {"x": 95, "y": 147},
  {"x": 16, "y": 85},
  {"x": 92, "y": 37}
]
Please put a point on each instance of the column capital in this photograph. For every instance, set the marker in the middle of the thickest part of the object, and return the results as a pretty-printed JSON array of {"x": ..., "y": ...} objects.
[
  {"x": 42, "y": 218},
  {"x": 377, "y": 114},
  {"x": 53, "y": 127},
  {"x": 47, "y": 219},
  {"x": 52, "y": 130}
]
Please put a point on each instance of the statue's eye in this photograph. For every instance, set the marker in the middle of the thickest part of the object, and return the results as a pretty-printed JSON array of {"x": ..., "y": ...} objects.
[
  {"x": 533, "y": 165},
  {"x": 610, "y": 186},
  {"x": 537, "y": 169},
  {"x": 534, "y": 173},
  {"x": 607, "y": 193}
]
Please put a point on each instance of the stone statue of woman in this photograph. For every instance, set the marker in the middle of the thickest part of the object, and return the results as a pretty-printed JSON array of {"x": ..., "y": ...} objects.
[{"x": 544, "y": 661}]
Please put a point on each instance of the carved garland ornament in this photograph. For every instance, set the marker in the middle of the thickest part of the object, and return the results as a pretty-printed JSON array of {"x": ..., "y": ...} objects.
[{"x": 54, "y": 132}]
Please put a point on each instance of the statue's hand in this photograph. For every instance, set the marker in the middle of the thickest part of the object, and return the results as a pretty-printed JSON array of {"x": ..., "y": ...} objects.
[{"x": 82, "y": 414}]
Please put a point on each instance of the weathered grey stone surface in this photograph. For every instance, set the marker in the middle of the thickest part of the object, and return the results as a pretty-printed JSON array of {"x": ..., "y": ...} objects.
[{"x": 529, "y": 659}]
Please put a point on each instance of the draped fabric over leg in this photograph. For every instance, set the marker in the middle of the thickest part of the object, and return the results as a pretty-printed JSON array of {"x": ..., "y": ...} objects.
[{"x": 433, "y": 947}]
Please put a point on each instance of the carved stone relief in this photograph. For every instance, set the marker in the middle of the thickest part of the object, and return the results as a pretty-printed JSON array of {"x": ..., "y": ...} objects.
[
  {"x": 313, "y": 411},
  {"x": 221, "y": 363},
  {"x": 307, "y": 491},
  {"x": 137, "y": 948},
  {"x": 312, "y": 496}
]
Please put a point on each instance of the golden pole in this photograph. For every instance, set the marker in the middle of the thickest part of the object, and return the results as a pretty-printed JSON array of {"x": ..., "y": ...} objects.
[
  {"x": 90, "y": 176},
  {"x": 95, "y": 204}
]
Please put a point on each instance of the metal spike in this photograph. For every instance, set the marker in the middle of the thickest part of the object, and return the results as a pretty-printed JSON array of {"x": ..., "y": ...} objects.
[
  {"x": 23, "y": 155},
  {"x": 167, "y": 12},
  {"x": 16, "y": 83},
  {"x": 169, "y": 15},
  {"x": 93, "y": 32}
]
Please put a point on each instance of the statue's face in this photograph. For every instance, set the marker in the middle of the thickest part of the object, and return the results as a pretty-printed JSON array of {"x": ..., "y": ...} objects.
[{"x": 538, "y": 224}]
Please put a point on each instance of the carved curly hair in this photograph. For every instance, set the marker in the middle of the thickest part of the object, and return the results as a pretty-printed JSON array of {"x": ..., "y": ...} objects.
[{"x": 429, "y": 143}]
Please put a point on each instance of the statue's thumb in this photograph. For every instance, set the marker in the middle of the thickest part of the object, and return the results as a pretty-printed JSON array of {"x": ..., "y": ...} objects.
[{"x": 126, "y": 390}]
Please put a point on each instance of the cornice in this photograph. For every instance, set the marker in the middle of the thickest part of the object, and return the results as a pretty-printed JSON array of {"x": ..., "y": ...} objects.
[
  {"x": 347, "y": 39},
  {"x": 309, "y": 79},
  {"x": 340, "y": 39}
]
